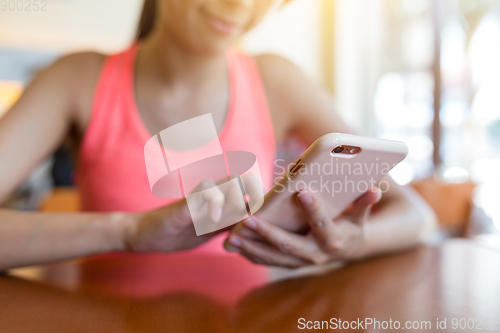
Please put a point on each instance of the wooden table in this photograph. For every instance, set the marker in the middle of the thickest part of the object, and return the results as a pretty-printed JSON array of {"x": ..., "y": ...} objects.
[{"x": 459, "y": 279}]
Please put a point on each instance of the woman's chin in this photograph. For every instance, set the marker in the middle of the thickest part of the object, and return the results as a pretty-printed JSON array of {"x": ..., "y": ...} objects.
[{"x": 213, "y": 48}]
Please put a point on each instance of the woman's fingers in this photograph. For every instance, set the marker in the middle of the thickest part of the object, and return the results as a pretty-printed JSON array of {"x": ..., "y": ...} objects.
[
  {"x": 283, "y": 248},
  {"x": 233, "y": 193},
  {"x": 241, "y": 230},
  {"x": 261, "y": 253},
  {"x": 326, "y": 232},
  {"x": 360, "y": 208},
  {"x": 213, "y": 196},
  {"x": 286, "y": 242}
]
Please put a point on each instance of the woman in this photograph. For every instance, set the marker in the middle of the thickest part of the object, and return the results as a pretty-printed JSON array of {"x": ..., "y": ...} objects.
[{"x": 182, "y": 67}]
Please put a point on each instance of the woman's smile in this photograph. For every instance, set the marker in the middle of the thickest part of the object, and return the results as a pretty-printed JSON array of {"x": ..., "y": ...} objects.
[{"x": 219, "y": 25}]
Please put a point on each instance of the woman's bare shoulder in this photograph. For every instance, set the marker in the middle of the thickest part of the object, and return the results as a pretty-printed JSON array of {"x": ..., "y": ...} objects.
[
  {"x": 276, "y": 71},
  {"x": 287, "y": 88},
  {"x": 285, "y": 79},
  {"x": 306, "y": 106},
  {"x": 79, "y": 73},
  {"x": 76, "y": 68}
]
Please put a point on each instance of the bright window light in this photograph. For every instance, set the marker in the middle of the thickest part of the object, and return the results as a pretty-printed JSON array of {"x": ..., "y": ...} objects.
[
  {"x": 403, "y": 173},
  {"x": 453, "y": 114},
  {"x": 389, "y": 100},
  {"x": 456, "y": 175},
  {"x": 486, "y": 170},
  {"x": 486, "y": 197},
  {"x": 9, "y": 93},
  {"x": 484, "y": 49},
  {"x": 453, "y": 47},
  {"x": 420, "y": 147}
]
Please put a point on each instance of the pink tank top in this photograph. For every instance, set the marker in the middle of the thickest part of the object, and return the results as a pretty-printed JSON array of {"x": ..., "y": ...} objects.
[{"x": 111, "y": 172}]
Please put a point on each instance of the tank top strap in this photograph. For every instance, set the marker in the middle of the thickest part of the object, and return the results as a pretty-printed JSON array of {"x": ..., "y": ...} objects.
[
  {"x": 251, "y": 114},
  {"x": 110, "y": 102}
]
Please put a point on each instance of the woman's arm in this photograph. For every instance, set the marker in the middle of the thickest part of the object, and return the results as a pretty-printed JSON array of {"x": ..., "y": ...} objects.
[
  {"x": 400, "y": 220},
  {"x": 58, "y": 98},
  {"x": 37, "y": 238},
  {"x": 30, "y": 131},
  {"x": 34, "y": 238},
  {"x": 37, "y": 124}
]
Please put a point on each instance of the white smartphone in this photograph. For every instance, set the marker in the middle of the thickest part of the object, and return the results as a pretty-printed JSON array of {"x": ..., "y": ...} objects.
[{"x": 337, "y": 169}]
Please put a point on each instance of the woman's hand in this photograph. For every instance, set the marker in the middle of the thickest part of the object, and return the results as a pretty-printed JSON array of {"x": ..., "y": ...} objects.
[
  {"x": 171, "y": 228},
  {"x": 327, "y": 240}
]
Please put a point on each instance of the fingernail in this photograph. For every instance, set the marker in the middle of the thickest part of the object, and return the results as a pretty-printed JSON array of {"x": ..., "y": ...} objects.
[
  {"x": 379, "y": 193},
  {"x": 305, "y": 198},
  {"x": 250, "y": 223},
  {"x": 216, "y": 214},
  {"x": 235, "y": 241}
]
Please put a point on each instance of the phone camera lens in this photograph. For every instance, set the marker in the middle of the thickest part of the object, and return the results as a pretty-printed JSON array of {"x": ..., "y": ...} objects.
[
  {"x": 338, "y": 150},
  {"x": 352, "y": 151}
]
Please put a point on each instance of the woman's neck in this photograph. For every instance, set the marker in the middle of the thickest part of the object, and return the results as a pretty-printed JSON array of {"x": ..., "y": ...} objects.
[
  {"x": 170, "y": 77},
  {"x": 177, "y": 66}
]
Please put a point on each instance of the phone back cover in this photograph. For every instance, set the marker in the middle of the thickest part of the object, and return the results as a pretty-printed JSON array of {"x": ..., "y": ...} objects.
[{"x": 335, "y": 181}]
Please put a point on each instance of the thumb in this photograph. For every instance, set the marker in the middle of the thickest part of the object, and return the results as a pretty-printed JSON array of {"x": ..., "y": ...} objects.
[
  {"x": 215, "y": 199},
  {"x": 208, "y": 192},
  {"x": 360, "y": 208}
]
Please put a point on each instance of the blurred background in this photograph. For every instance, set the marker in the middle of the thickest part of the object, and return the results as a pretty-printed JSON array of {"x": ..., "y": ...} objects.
[{"x": 426, "y": 72}]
